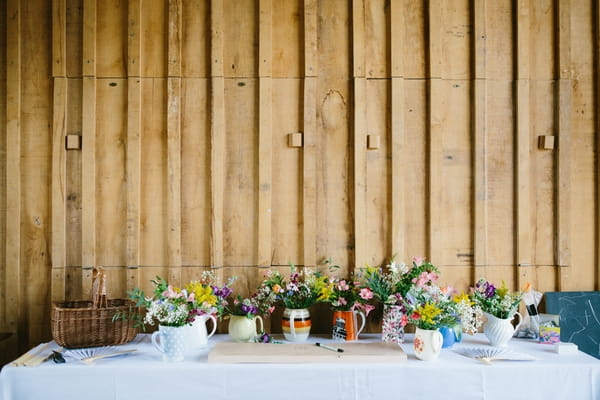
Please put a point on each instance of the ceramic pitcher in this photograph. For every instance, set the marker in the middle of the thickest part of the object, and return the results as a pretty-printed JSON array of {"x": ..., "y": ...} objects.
[
  {"x": 427, "y": 344},
  {"x": 243, "y": 329},
  {"x": 170, "y": 341},
  {"x": 392, "y": 324},
  {"x": 197, "y": 335},
  {"x": 345, "y": 325},
  {"x": 295, "y": 324},
  {"x": 499, "y": 331}
]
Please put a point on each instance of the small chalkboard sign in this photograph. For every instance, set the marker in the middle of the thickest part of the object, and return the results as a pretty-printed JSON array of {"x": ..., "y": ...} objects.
[{"x": 579, "y": 314}]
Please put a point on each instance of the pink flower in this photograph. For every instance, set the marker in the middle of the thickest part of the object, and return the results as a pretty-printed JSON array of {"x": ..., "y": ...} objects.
[
  {"x": 170, "y": 293},
  {"x": 418, "y": 260},
  {"x": 368, "y": 308},
  {"x": 342, "y": 285},
  {"x": 342, "y": 301},
  {"x": 271, "y": 309},
  {"x": 366, "y": 293}
]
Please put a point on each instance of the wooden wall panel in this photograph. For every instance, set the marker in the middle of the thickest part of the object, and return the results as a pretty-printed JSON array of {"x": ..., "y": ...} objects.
[
  {"x": 286, "y": 211},
  {"x": 241, "y": 172},
  {"x": 154, "y": 37},
  {"x": 334, "y": 168},
  {"x": 195, "y": 38},
  {"x": 153, "y": 203},
  {"x": 111, "y": 185},
  {"x": 378, "y": 175},
  {"x": 195, "y": 166},
  {"x": 288, "y": 57},
  {"x": 36, "y": 138},
  {"x": 184, "y": 108},
  {"x": 240, "y": 38},
  {"x": 111, "y": 39}
]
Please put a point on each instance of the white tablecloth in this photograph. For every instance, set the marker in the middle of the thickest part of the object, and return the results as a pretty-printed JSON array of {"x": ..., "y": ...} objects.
[{"x": 142, "y": 375}]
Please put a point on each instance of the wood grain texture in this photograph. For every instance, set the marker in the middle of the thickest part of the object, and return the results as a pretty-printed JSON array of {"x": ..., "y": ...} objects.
[
  {"x": 479, "y": 106},
  {"x": 13, "y": 300},
  {"x": 184, "y": 108},
  {"x": 523, "y": 137},
  {"x": 59, "y": 187}
]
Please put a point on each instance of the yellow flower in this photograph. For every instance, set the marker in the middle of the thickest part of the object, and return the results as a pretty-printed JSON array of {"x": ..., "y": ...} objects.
[
  {"x": 428, "y": 312},
  {"x": 202, "y": 294},
  {"x": 326, "y": 292},
  {"x": 502, "y": 291},
  {"x": 463, "y": 298}
]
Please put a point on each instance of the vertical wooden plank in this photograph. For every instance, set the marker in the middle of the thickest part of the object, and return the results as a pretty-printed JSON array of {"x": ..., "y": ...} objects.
[
  {"x": 435, "y": 110},
  {"x": 265, "y": 134},
  {"x": 174, "y": 142},
  {"x": 398, "y": 188},
  {"x": 309, "y": 171},
  {"x": 596, "y": 24},
  {"x": 217, "y": 135},
  {"x": 174, "y": 44},
  {"x": 563, "y": 128},
  {"x": 480, "y": 138},
  {"x": 59, "y": 132},
  {"x": 358, "y": 38},
  {"x": 310, "y": 37},
  {"x": 13, "y": 283},
  {"x": 133, "y": 155},
  {"x": 523, "y": 163},
  {"x": 360, "y": 133},
  {"x": 88, "y": 167},
  {"x": 59, "y": 38}
]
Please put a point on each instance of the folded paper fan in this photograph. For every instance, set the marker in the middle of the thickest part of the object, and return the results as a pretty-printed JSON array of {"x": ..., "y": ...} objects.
[
  {"x": 88, "y": 352},
  {"x": 489, "y": 354}
]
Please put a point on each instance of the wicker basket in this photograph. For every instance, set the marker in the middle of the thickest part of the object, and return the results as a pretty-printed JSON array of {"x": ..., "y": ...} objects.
[{"x": 78, "y": 324}]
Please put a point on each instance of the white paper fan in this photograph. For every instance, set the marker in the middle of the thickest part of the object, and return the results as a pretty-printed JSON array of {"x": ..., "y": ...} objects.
[
  {"x": 80, "y": 354},
  {"x": 488, "y": 354}
]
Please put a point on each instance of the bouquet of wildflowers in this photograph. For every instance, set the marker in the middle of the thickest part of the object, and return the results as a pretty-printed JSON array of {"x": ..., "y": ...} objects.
[
  {"x": 391, "y": 286},
  {"x": 469, "y": 314},
  {"x": 243, "y": 306},
  {"x": 499, "y": 302},
  {"x": 428, "y": 305},
  {"x": 173, "y": 306},
  {"x": 301, "y": 290},
  {"x": 345, "y": 295}
]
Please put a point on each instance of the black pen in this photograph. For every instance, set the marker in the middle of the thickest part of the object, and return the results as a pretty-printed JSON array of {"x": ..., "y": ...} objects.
[{"x": 330, "y": 348}]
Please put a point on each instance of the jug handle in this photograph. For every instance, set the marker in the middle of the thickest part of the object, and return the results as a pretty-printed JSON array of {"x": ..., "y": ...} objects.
[
  {"x": 158, "y": 346},
  {"x": 214, "y": 323},
  {"x": 362, "y": 324},
  {"x": 259, "y": 318},
  {"x": 437, "y": 340},
  {"x": 292, "y": 318},
  {"x": 520, "y": 320}
]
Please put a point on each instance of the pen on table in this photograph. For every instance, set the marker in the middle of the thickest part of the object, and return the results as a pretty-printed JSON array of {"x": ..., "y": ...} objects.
[{"x": 330, "y": 347}]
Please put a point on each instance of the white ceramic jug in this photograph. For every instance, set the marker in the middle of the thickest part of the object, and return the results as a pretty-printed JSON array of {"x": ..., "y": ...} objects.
[{"x": 196, "y": 334}]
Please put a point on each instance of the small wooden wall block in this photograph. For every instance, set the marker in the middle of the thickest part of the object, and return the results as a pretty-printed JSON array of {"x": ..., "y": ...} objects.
[
  {"x": 295, "y": 140},
  {"x": 546, "y": 142},
  {"x": 73, "y": 142},
  {"x": 373, "y": 142}
]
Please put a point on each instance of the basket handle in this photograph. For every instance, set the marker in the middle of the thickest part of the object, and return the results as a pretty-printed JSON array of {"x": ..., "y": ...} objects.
[{"x": 98, "y": 288}]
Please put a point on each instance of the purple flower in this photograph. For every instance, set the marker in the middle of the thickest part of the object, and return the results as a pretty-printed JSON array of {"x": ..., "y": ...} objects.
[{"x": 489, "y": 290}]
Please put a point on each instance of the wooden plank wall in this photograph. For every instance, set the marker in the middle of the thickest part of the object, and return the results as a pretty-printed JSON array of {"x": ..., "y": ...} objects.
[{"x": 184, "y": 109}]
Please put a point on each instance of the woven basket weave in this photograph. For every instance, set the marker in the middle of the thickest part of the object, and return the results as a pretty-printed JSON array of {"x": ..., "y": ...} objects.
[{"x": 77, "y": 324}]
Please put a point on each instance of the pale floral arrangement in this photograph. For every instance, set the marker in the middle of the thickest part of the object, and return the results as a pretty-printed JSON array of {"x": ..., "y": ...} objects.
[
  {"x": 174, "y": 306},
  {"x": 300, "y": 290},
  {"x": 499, "y": 302}
]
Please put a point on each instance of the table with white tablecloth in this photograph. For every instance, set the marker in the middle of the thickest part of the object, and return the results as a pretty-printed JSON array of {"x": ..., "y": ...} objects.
[{"x": 143, "y": 375}]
